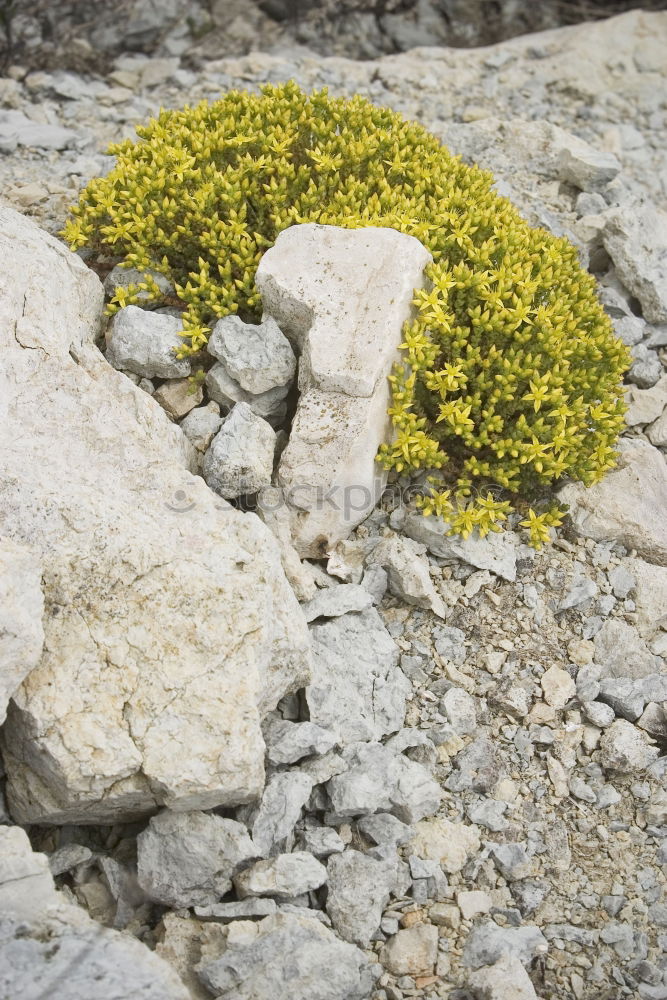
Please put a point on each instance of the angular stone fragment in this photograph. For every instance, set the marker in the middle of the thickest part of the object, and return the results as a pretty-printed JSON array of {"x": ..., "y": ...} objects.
[
  {"x": 335, "y": 601},
  {"x": 287, "y": 742},
  {"x": 411, "y": 952},
  {"x": 284, "y": 797},
  {"x": 496, "y": 552},
  {"x": 587, "y": 168},
  {"x": 506, "y": 979},
  {"x": 380, "y": 781},
  {"x": 21, "y": 610},
  {"x": 201, "y": 425},
  {"x": 258, "y": 357},
  {"x": 123, "y": 277},
  {"x": 170, "y": 628},
  {"x": 240, "y": 457},
  {"x": 626, "y": 506},
  {"x": 621, "y": 652},
  {"x": 245, "y": 909},
  {"x": 223, "y": 389},
  {"x": 283, "y": 877},
  {"x": 288, "y": 957},
  {"x": 178, "y": 397},
  {"x": 450, "y": 844},
  {"x": 146, "y": 343},
  {"x": 408, "y": 572},
  {"x": 188, "y": 859},
  {"x": 341, "y": 296},
  {"x": 623, "y": 747},
  {"x": 558, "y": 687},
  {"x": 635, "y": 237},
  {"x": 26, "y": 883},
  {"x": 487, "y": 943},
  {"x": 358, "y": 890},
  {"x": 358, "y": 690}
]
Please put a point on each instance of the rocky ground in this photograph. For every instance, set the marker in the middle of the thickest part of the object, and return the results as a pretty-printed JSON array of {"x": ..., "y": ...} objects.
[{"x": 468, "y": 800}]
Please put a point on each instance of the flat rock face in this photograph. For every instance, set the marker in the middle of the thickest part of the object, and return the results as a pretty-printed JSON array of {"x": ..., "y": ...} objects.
[
  {"x": 170, "y": 629},
  {"x": 341, "y": 296},
  {"x": 628, "y": 505},
  {"x": 21, "y": 609}
]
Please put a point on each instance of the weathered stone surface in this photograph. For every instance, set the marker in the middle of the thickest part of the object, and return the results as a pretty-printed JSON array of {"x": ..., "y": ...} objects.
[
  {"x": 358, "y": 890},
  {"x": 506, "y": 979},
  {"x": 170, "y": 628},
  {"x": 487, "y": 943},
  {"x": 123, "y": 277},
  {"x": 287, "y": 742},
  {"x": 626, "y": 505},
  {"x": 408, "y": 574},
  {"x": 649, "y": 595},
  {"x": 289, "y": 957},
  {"x": 178, "y": 397},
  {"x": 341, "y": 296},
  {"x": 257, "y": 356},
  {"x": 358, "y": 689},
  {"x": 623, "y": 747},
  {"x": 585, "y": 167},
  {"x": 254, "y": 907},
  {"x": 49, "y": 948},
  {"x": 18, "y": 130},
  {"x": 272, "y": 510},
  {"x": 145, "y": 343},
  {"x": 450, "y": 844},
  {"x": 332, "y": 602},
  {"x": 284, "y": 797},
  {"x": 188, "y": 859},
  {"x": 620, "y": 652},
  {"x": 496, "y": 552},
  {"x": 635, "y": 238},
  {"x": 411, "y": 952},
  {"x": 21, "y": 610},
  {"x": 380, "y": 781},
  {"x": 223, "y": 389},
  {"x": 201, "y": 425},
  {"x": 240, "y": 457},
  {"x": 284, "y": 877}
]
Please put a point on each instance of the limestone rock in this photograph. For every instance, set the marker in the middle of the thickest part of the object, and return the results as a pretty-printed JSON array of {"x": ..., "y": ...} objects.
[
  {"x": 506, "y": 979},
  {"x": 287, "y": 742},
  {"x": 223, "y": 389},
  {"x": 201, "y": 425},
  {"x": 635, "y": 238},
  {"x": 26, "y": 883},
  {"x": 332, "y": 602},
  {"x": 288, "y": 957},
  {"x": 450, "y": 844},
  {"x": 188, "y": 859},
  {"x": 558, "y": 687},
  {"x": 411, "y": 952},
  {"x": 358, "y": 890},
  {"x": 341, "y": 296},
  {"x": 258, "y": 357},
  {"x": 271, "y": 508},
  {"x": 284, "y": 797},
  {"x": 408, "y": 574},
  {"x": 123, "y": 277},
  {"x": 178, "y": 397},
  {"x": 284, "y": 877},
  {"x": 358, "y": 690},
  {"x": 626, "y": 505},
  {"x": 145, "y": 343},
  {"x": 378, "y": 780},
  {"x": 487, "y": 943},
  {"x": 620, "y": 652},
  {"x": 496, "y": 552},
  {"x": 21, "y": 610},
  {"x": 170, "y": 629},
  {"x": 240, "y": 457},
  {"x": 623, "y": 747}
]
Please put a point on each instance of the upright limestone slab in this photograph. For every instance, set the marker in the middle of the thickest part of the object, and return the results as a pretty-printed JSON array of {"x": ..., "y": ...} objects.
[
  {"x": 341, "y": 296},
  {"x": 170, "y": 629}
]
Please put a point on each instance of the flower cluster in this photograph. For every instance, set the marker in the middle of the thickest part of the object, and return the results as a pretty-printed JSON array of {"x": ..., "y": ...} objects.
[{"x": 511, "y": 377}]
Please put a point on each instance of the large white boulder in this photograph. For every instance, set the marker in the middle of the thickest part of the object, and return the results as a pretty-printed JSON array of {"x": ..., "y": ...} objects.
[
  {"x": 170, "y": 629},
  {"x": 341, "y": 296},
  {"x": 21, "y": 609}
]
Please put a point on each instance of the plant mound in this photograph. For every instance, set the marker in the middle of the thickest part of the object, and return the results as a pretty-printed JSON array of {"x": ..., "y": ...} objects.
[{"x": 512, "y": 375}]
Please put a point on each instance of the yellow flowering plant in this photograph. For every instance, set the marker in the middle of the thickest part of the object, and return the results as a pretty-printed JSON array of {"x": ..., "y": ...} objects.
[{"x": 511, "y": 374}]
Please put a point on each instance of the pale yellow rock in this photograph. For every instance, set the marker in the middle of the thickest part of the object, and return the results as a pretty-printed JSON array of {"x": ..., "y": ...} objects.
[
  {"x": 558, "y": 687},
  {"x": 451, "y": 844}
]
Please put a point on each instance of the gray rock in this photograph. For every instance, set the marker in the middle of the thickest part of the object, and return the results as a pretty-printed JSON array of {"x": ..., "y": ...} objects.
[
  {"x": 450, "y": 643},
  {"x": 459, "y": 708},
  {"x": 598, "y": 713},
  {"x": 586, "y": 168},
  {"x": 240, "y": 457},
  {"x": 123, "y": 277},
  {"x": 358, "y": 689},
  {"x": 622, "y": 653},
  {"x": 251, "y": 908},
  {"x": 407, "y": 570},
  {"x": 580, "y": 591},
  {"x": 187, "y": 859},
  {"x": 17, "y": 130},
  {"x": 588, "y": 682},
  {"x": 258, "y": 357},
  {"x": 624, "y": 748},
  {"x": 489, "y": 813},
  {"x": 26, "y": 884},
  {"x": 496, "y": 552},
  {"x": 625, "y": 695},
  {"x": 284, "y": 877},
  {"x": 379, "y": 781},
  {"x": 506, "y": 979},
  {"x": 630, "y": 329},
  {"x": 68, "y": 857},
  {"x": 321, "y": 841},
  {"x": 646, "y": 368},
  {"x": 512, "y": 861},
  {"x": 287, "y": 742},
  {"x": 487, "y": 943},
  {"x": 358, "y": 890},
  {"x": 412, "y": 951},
  {"x": 201, "y": 425},
  {"x": 146, "y": 343},
  {"x": 283, "y": 799},
  {"x": 635, "y": 238},
  {"x": 385, "y": 829},
  {"x": 224, "y": 390},
  {"x": 375, "y": 581},
  {"x": 289, "y": 957},
  {"x": 338, "y": 600},
  {"x": 654, "y": 720},
  {"x": 622, "y": 582}
]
